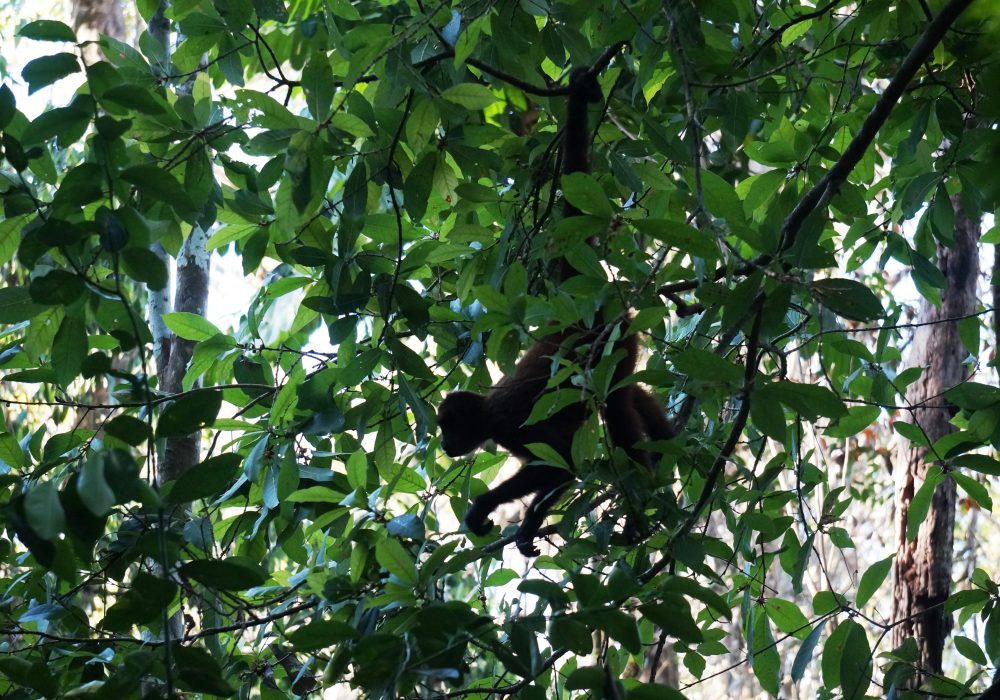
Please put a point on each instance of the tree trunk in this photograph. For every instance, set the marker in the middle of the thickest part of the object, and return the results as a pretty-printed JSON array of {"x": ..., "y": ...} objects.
[
  {"x": 922, "y": 569},
  {"x": 91, "y": 18}
]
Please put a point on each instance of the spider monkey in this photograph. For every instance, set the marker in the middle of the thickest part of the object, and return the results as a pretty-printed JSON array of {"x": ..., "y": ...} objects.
[{"x": 630, "y": 414}]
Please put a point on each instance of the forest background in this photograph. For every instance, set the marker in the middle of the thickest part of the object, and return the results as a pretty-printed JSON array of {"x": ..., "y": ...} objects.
[{"x": 248, "y": 245}]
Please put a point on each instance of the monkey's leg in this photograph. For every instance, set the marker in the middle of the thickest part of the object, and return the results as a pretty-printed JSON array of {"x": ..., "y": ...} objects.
[
  {"x": 550, "y": 487},
  {"x": 654, "y": 419},
  {"x": 625, "y": 421},
  {"x": 529, "y": 479}
]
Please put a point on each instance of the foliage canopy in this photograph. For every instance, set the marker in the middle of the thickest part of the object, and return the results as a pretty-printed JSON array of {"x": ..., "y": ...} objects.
[{"x": 389, "y": 172}]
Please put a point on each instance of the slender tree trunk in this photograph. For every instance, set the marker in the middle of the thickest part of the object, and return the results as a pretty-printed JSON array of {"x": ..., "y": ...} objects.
[{"x": 922, "y": 569}]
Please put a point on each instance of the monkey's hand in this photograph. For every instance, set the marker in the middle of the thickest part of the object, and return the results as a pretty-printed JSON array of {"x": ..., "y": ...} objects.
[
  {"x": 477, "y": 521},
  {"x": 527, "y": 547}
]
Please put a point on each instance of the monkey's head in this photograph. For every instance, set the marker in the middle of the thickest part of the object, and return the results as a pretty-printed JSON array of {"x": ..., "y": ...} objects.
[
  {"x": 583, "y": 84},
  {"x": 462, "y": 419}
]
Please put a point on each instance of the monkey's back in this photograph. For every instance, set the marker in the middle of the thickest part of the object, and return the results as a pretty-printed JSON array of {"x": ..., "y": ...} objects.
[{"x": 512, "y": 400}]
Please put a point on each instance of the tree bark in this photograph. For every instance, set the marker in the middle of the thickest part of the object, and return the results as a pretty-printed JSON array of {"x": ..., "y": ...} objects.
[
  {"x": 921, "y": 573},
  {"x": 91, "y": 18}
]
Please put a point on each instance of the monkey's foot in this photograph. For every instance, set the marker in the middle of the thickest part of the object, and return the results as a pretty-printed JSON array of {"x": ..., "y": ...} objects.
[
  {"x": 477, "y": 522},
  {"x": 527, "y": 548}
]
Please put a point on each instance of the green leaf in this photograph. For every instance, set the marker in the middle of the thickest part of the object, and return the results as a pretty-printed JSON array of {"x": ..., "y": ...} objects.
[
  {"x": 30, "y": 674},
  {"x": 190, "y": 326},
  {"x": 721, "y": 199},
  {"x": 911, "y": 432},
  {"x": 970, "y": 650},
  {"x": 57, "y": 288},
  {"x": 11, "y": 453},
  {"x": 855, "y": 662},
  {"x": 848, "y": 298},
  {"x": 205, "y": 479},
  {"x": 833, "y": 652},
  {"x": 408, "y": 361},
  {"x": 144, "y": 265},
  {"x": 92, "y": 487},
  {"x": 397, "y": 561},
  {"x": 586, "y": 194},
  {"x": 189, "y": 413},
  {"x": 69, "y": 349},
  {"x": 128, "y": 429},
  {"x": 975, "y": 490},
  {"x": 357, "y": 469},
  {"x": 787, "y": 617},
  {"x": 565, "y": 631},
  {"x": 973, "y": 396},
  {"x": 764, "y": 658},
  {"x": 673, "y": 616},
  {"x": 679, "y": 235},
  {"x": 231, "y": 574},
  {"x": 872, "y": 579},
  {"x": 620, "y": 626},
  {"x": 805, "y": 654},
  {"x": 200, "y": 672},
  {"x": 8, "y": 108},
  {"x": 47, "y": 30},
  {"x": 470, "y": 95},
  {"x": 160, "y": 186},
  {"x": 921, "y": 502},
  {"x": 857, "y": 419},
  {"x": 979, "y": 463},
  {"x": 708, "y": 367},
  {"x": 48, "y": 69},
  {"x": 44, "y": 511},
  {"x": 321, "y": 634},
  {"x": 810, "y": 400},
  {"x": 587, "y": 678}
]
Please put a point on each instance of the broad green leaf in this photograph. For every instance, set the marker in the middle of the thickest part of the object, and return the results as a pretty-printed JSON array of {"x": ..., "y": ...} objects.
[
  {"x": 469, "y": 95},
  {"x": 586, "y": 194},
  {"x": 974, "y": 490},
  {"x": 921, "y": 502},
  {"x": 206, "y": 479},
  {"x": 11, "y": 453},
  {"x": 189, "y": 413},
  {"x": 764, "y": 658},
  {"x": 231, "y": 574},
  {"x": 47, "y": 30},
  {"x": 970, "y": 650},
  {"x": 804, "y": 655},
  {"x": 708, "y": 367},
  {"x": 848, "y": 298},
  {"x": 321, "y": 634},
  {"x": 48, "y": 69},
  {"x": 8, "y": 107},
  {"x": 144, "y": 265},
  {"x": 811, "y": 400},
  {"x": 857, "y": 419},
  {"x": 128, "y": 429},
  {"x": 721, "y": 199},
  {"x": 911, "y": 432},
  {"x": 872, "y": 579},
  {"x": 787, "y": 617},
  {"x": 391, "y": 554},
  {"x": 69, "y": 349},
  {"x": 190, "y": 326},
  {"x": 92, "y": 487},
  {"x": 587, "y": 678},
  {"x": 855, "y": 662},
  {"x": 44, "y": 511}
]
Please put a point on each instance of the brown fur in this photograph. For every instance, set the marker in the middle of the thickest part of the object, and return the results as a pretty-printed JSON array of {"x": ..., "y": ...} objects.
[{"x": 468, "y": 419}]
